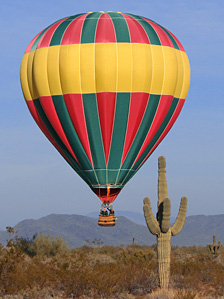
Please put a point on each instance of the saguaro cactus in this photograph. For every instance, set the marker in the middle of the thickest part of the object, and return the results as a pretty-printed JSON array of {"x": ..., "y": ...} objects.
[
  {"x": 214, "y": 248},
  {"x": 161, "y": 225}
]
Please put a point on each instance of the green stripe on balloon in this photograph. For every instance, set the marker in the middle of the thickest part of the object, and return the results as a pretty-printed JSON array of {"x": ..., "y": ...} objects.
[
  {"x": 94, "y": 135},
  {"x": 121, "y": 27},
  {"x": 89, "y": 28},
  {"x": 150, "y": 31},
  {"x": 118, "y": 135},
  {"x": 59, "y": 32},
  {"x": 35, "y": 44},
  {"x": 57, "y": 139},
  {"x": 171, "y": 37},
  {"x": 70, "y": 132}
]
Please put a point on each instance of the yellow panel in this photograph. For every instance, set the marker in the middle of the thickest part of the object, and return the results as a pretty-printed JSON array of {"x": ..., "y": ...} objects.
[
  {"x": 87, "y": 68},
  {"x": 40, "y": 75},
  {"x": 142, "y": 67},
  {"x": 24, "y": 79},
  {"x": 124, "y": 80},
  {"x": 157, "y": 69},
  {"x": 170, "y": 71},
  {"x": 106, "y": 66},
  {"x": 187, "y": 71},
  {"x": 30, "y": 76},
  {"x": 180, "y": 76},
  {"x": 53, "y": 70},
  {"x": 69, "y": 62}
]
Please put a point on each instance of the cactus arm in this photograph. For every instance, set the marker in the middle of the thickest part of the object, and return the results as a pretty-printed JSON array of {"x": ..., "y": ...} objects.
[
  {"x": 165, "y": 221},
  {"x": 151, "y": 222},
  {"x": 179, "y": 223}
]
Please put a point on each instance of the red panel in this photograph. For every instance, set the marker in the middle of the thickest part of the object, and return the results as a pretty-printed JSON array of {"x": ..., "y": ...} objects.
[
  {"x": 136, "y": 31},
  {"x": 138, "y": 103},
  {"x": 41, "y": 125},
  {"x": 49, "y": 109},
  {"x": 105, "y": 32},
  {"x": 177, "y": 41},
  {"x": 73, "y": 32},
  {"x": 168, "y": 127},
  {"x": 46, "y": 38},
  {"x": 163, "y": 37},
  {"x": 162, "y": 110},
  {"x": 106, "y": 102},
  {"x": 76, "y": 111}
]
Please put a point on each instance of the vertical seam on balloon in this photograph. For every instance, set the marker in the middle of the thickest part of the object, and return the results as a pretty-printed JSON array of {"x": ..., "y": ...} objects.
[
  {"x": 93, "y": 167},
  {"x": 115, "y": 94},
  {"x": 96, "y": 90},
  {"x": 119, "y": 170}
]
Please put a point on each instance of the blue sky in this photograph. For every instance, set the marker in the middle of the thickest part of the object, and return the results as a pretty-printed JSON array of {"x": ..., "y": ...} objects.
[{"x": 36, "y": 181}]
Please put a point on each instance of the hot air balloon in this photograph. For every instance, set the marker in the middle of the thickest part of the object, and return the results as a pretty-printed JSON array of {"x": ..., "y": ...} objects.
[{"x": 105, "y": 89}]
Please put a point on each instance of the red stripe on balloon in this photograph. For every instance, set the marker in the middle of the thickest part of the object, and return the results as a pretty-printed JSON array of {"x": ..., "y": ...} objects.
[
  {"x": 136, "y": 31},
  {"x": 138, "y": 104},
  {"x": 73, "y": 32},
  {"x": 32, "y": 42},
  {"x": 75, "y": 109},
  {"x": 167, "y": 129},
  {"x": 47, "y": 36},
  {"x": 105, "y": 32},
  {"x": 177, "y": 41},
  {"x": 106, "y": 102},
  {"x": 163, "y": 37},
  {"x": 50, "y": 111},
  {"x": 162, "y": 110},
  {"x": 43, "y": 128}
]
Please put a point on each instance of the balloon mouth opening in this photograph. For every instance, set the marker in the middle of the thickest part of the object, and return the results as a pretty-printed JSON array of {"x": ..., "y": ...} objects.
[{"x": 107, "y": 194}]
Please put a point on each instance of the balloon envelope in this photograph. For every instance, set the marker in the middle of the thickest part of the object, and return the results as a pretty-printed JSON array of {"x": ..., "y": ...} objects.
[{"x": 105, "y": 89}]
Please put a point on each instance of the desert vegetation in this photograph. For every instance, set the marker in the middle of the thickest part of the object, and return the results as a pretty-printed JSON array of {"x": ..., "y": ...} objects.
[{"x": 45, "y": 267}]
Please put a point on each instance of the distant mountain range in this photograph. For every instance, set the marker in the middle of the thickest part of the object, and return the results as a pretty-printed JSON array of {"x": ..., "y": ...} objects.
[{"x": 77, "y": 229}]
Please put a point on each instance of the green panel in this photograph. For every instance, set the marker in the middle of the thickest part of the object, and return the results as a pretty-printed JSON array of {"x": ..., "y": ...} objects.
[
  {"x": 119, "y": 132},
  {"x": 35, "y": 44},
  {"x": 91, "y": 175},
  {"x": 143, "y": 130},
  {"x": 70, "y": 132},
  {"x": 155, "y": 138},
  {"x": 89, "y": 28},
  {"x": 59, "y": 32},
  {"x": 101, "y": 175},
  {"x": 57, "y": 139},
  {"x": 121, "y": 27},
  {"x": 94, "y": 131},
  {"x": 152, "y": 35}
]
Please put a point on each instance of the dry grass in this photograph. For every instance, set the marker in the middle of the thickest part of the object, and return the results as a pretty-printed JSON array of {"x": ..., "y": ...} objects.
[{"x": 106, "y": 272}]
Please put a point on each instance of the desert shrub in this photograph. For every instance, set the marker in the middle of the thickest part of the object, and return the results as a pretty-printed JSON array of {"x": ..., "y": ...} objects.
[
  {"x": 105, "y": 272},
  {"x": 45, "y": 246}
]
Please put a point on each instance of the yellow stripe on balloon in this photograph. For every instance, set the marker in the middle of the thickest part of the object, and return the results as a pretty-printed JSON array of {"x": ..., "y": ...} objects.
[
  {"x": 105, "y": 67},
  {"x": 69, "y": 62},
  {"x": 186, "y": 81},
  {"x": 24, "y": 78}
]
